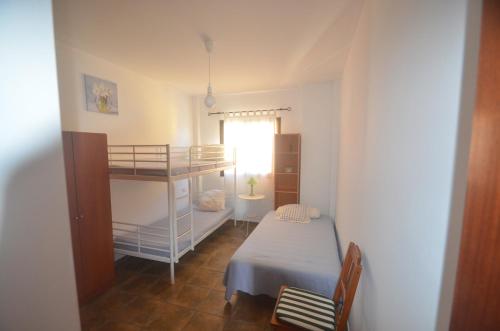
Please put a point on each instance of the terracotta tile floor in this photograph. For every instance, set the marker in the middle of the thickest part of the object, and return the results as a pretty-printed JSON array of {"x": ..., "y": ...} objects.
[{"x": 143, "y": 298}]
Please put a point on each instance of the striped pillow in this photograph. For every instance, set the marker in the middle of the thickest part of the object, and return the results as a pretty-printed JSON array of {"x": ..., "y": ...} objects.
[
  {"x": 293, "y": 213},
  {"x": 306, "y": 309}
]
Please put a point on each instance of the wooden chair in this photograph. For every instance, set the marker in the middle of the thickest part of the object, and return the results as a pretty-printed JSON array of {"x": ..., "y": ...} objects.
[{"x": 342, "y": 297}]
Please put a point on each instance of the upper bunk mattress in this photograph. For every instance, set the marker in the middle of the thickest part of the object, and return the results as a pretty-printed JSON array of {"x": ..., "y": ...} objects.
[
  {"x": 283, "y": 253},
  {"x": 177, "y": 170}
]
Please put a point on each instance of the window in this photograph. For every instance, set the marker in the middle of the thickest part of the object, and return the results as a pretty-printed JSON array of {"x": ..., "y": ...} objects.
[{"x": 253, "y": 139}]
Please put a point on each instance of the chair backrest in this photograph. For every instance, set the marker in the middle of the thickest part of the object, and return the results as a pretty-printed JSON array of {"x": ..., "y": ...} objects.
[{"x": 346, "y": 286}]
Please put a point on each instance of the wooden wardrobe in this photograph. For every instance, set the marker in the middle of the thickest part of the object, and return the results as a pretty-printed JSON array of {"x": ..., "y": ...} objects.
[{"x": 89, "y": 200}]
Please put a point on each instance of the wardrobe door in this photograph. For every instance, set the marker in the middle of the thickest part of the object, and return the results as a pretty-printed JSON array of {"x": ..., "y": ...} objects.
[
  {"x": 94, "y": 212},
  {"x": 73, "y": 207}
]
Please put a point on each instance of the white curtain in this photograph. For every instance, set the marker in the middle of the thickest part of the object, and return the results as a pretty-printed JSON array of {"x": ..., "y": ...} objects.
[{"x": 253, "y": 138}]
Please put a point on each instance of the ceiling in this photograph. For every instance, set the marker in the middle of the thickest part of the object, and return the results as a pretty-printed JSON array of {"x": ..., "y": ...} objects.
[{"x": 258, "y": 44}]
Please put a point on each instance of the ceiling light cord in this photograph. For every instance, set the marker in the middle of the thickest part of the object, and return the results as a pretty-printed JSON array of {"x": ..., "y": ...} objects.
[{"x": 209, "y": 99}]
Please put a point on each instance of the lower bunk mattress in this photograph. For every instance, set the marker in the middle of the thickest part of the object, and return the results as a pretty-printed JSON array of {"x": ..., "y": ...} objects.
[
  {"x": 176, "y": 170},
  {"x": 282, "y": 253},
  {"x": 154, "y": 238}
]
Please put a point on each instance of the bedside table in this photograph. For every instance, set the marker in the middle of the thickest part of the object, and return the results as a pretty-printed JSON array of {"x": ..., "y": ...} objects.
[{"x": 251, "y": 199}]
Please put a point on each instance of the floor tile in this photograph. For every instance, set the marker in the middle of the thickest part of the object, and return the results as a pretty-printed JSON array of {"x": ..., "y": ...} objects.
[
  {"x": 156, "y": 268},
  {"x": 140, "y": 311},
  {"x": 118, "y": 326},
  {"x": 183, "y": 272},
  {"x": 207, "y": 247},
  {"x": 216, "y": 304},
  {"x": 91, "y": 318},
  {"x": 206, "y": 278},
  {"x": 205, "y": 322},
  {"x": 170, "y": 317},
  {"x": 113, "y": 299},
  {"x": 139, "y": 284},
  {"x": 218, "y": 262},
  {"x": 122, "y": 276},
  {"x": 163, "y": 289},
  {"x": 253, "y": 309},
  {"x": 195, "y": 258},
  {"x": 219, "y": 285},
  {"x": 189, "y": 296},
  {"x": 243, "y": 326}
]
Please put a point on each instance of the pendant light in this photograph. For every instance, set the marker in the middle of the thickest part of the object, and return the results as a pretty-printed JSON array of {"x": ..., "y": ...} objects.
[{"x": 209, "y": 99}]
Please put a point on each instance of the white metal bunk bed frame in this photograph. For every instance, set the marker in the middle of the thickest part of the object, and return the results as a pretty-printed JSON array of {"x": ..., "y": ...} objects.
[{"x": 202, "y": 160}]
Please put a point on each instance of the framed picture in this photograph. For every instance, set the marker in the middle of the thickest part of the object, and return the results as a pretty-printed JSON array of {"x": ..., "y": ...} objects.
[{"x": 101, "y": 95}]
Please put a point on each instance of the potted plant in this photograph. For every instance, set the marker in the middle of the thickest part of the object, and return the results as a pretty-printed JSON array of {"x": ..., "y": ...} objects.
[{"x": 252, "y": 182}]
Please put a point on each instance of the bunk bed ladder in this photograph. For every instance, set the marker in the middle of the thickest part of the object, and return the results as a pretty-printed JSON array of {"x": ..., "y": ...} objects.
[
  {"x": 183, "y": 216},
  {"x": 189, "y": 214},
  {"x": 173, "y": 206}
]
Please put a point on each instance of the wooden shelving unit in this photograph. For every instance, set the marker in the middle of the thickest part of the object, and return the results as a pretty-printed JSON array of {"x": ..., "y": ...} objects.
[{"x": 286, "y": 169}]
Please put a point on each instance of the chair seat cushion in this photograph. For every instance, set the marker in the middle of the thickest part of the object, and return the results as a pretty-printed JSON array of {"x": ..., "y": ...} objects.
[{"x": 305, "y": 309}]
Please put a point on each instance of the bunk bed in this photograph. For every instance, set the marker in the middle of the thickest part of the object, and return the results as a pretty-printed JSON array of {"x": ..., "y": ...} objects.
[{"x": 165, "y": 240}]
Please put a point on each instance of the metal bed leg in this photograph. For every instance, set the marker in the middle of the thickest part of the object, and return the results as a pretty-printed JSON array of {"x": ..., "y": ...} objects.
[{"x": 172, "y": 273}]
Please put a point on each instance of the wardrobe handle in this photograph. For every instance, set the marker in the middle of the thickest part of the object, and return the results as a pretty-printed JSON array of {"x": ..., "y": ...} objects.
[
  {"x": 81, "y": 217},
  {"x": 76, "y": 218}
]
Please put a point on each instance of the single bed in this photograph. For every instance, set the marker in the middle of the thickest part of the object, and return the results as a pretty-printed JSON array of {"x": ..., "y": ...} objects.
[
  {"x": 154, "y": 237},
  {"x": 278, "y": 253}
]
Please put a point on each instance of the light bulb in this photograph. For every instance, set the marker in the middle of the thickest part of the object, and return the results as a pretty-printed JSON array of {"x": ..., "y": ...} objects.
[{"x": 209, "y": 99}]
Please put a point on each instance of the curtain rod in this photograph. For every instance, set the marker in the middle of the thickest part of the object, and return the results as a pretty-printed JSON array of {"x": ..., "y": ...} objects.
[{"x": 250, "y": 111}]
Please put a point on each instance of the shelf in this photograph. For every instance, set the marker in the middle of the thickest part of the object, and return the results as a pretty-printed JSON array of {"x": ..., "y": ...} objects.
[
  {"x": 285, "y": 198},
  {"x": 286, "y": 157}
]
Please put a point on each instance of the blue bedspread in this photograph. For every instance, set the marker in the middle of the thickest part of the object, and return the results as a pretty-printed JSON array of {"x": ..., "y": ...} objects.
[{"x": 278, "y": 253}]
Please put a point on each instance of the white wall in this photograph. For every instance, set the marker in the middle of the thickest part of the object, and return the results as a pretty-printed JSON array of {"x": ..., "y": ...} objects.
[
  {"x": 37, "y": 283},
  {"x": 149, "y": 113},
  {"x": 400, "y": 109},
  {"x": 314, "y": 115}
]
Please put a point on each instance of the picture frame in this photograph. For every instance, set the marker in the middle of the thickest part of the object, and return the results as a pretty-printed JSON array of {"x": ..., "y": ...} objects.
[{"x": 101, "y": 95}]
